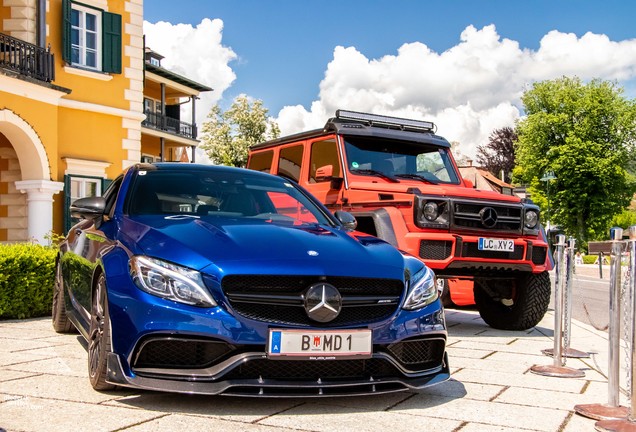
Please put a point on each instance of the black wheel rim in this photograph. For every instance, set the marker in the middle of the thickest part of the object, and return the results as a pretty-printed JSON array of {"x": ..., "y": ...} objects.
[{"x": 98, "y": 322}]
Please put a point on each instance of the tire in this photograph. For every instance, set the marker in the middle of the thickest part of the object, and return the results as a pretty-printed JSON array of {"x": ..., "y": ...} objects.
[
  {"x": 99, "y": 337},
  {"x": 445, "y": 297},
  {"x": 530, "y": 296},
  {"x": 61, "y": 323}
]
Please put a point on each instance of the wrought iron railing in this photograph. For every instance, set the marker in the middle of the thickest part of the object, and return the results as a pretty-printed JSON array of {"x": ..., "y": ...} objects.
[
  {"x": 27, "y": 59},
  {"x": 169, "y": 124}
]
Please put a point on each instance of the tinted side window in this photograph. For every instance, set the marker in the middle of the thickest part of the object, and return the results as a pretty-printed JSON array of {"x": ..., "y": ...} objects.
[
  {"x": 111, "y": 194},
  {"x": 323, "y": 153},
  {"x": 261, "y": 161},
  {"x": 289, "y": 162}
]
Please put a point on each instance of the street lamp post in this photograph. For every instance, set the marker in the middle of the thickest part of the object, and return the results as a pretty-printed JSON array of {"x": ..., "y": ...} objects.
[{"x": 549, "y": 175}]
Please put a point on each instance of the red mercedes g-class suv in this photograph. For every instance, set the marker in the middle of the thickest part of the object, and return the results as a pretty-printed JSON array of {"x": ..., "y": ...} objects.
[{"x": 400, "y": 181}]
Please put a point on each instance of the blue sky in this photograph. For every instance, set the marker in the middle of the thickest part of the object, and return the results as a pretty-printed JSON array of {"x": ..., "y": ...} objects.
[{"x": 284, "y": 52}]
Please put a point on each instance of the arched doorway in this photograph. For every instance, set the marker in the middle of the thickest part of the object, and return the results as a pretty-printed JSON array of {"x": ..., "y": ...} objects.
[{"x": 26, "y": 189}]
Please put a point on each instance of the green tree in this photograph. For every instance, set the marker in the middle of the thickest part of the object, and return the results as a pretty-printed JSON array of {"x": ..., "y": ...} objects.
[
  {"x": 227, "y": 136},
  {"x": 585, "y": 134},
  {"x": 625, "y": 219}
]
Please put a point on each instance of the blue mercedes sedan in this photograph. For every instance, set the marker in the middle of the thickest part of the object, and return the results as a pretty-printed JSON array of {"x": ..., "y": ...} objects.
[{"x": 215, "y": 280}]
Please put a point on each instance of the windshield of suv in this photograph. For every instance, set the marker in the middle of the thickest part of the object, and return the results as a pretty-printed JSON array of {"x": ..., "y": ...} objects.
[{"x": 397, "y": 160}]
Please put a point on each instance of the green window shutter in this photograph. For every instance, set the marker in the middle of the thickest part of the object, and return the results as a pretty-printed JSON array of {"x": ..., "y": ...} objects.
[
  {"x": 66, "y": 30},
  {"x": 67, "y": 204},
  {"x": 111, "y": 36}
]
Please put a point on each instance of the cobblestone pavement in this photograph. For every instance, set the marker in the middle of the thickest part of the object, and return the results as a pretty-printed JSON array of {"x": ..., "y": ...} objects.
[{"x": 44, "y": 387}]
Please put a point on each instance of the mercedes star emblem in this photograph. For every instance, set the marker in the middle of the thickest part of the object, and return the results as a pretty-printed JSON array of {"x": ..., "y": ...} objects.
[
  {"x": 323, "y": 302},
  {"x": 488, "y": 217}
]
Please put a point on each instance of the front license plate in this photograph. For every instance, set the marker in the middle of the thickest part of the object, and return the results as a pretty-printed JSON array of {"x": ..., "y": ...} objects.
[
  {"x": 319, "y": 345},
  {"x": 496, "y": 244}
]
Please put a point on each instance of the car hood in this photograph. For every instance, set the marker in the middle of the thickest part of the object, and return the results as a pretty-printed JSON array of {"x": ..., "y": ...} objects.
[{"x": 242, "y": 246}]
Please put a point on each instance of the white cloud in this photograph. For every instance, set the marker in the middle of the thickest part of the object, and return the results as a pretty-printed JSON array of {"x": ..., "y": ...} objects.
[
  {"x": 195, "y": 53},
  {"x": 468, "y": 90}
]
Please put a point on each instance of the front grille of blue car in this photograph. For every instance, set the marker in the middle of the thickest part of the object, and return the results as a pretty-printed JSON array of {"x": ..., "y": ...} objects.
[
  {"x": 279, "y": 299},
  {"x": 312, "y": 370}
]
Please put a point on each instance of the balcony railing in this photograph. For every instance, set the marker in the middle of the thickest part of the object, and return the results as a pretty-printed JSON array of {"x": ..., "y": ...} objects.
[
  {"x": 169, "y": 124},
  {"x": 26, "y": 59}
]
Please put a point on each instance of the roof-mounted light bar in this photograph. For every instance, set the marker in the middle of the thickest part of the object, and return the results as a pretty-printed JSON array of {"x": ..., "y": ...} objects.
[{"x": 385, "y": 120}]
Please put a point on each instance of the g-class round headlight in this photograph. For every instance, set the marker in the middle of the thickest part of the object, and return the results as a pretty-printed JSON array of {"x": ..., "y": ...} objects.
[
  {"x": 532, "y": 218},
  {"x": 430, "y": 211}
]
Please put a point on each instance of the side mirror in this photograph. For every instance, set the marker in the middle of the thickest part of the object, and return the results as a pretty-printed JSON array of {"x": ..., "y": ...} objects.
[
  {"x": 324, "y": 173},
  {"x": 88, "y": 208},
  {"x": 469, "y": 184},
  {"x": 346, "y": 219}
]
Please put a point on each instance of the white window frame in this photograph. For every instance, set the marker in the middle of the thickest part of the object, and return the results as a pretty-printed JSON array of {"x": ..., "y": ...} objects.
[
  {"x": 83, "y": 186},
  {"x": 81, "y": 28}
]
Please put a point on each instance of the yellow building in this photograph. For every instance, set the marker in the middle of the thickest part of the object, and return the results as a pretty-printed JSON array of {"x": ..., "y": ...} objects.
[{"x": 72, "y": 106}]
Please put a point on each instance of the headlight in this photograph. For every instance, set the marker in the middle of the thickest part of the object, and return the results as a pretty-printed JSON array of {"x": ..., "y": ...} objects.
[
  {"x": 531, "y": 219},
  {"x": 422, "y": 290},
  {"x": 170, "y": 281},
  {"x": 430, "y": 211}
]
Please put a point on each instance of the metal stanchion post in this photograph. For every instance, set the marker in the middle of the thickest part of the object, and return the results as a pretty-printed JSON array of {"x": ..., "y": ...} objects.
[
  {"x": 628, "y": 424},
  {"x": 558, "y": 369},
  {"x": 567, "y": 351},
  {"x": 611, "y": 411}
]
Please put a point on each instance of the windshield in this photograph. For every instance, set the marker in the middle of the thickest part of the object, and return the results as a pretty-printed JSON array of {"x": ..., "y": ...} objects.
[
  {"x": 395, "y": 160},
  {"x": 220, "y": 194}
]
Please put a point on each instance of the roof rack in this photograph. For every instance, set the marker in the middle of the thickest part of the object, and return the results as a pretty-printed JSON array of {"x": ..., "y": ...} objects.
[{"x": 386, "y": 121}]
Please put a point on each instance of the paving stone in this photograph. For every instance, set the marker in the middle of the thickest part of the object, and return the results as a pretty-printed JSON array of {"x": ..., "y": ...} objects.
[
  {"x": 22, "y": 333},
  {"x": 8, "y": 375},
  {"x": 521, "y": 347},
  {"x": 74, "y": 350},
  {"x": 56, "y": 387},
  {"x": 19, "y": 345},
  {"x": 528, "y": 380},
  {"x": 488, "y": 364},
  {"x": 194, "y": 423},
  {"x": 454, "y": 351},
  {"x": 30, "y": 324},
  {"x": 10, "y": 358},
  {"x": 316, "y": 416},
  {"x": 374, "y": 402},
  {"x": 491, "y": 413},
  {"x": 578, "y": 423},
  {"x": 456, "y": 389},
  {"x": 32, "y": 414},
  {"x": 544, "y": 398},
  {"x": 481, "y": 427},
  {"x": 244, "y": 410},
  {"x": 55, "y": 366}
]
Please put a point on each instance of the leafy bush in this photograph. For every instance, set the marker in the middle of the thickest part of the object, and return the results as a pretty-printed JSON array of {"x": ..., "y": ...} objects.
[
  {"x": 27, "y": 275},
  {"x": 589, "y": 259}
]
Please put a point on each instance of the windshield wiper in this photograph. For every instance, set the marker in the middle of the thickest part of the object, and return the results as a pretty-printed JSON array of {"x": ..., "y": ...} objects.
[
  {"x": 376, "y": 173},
  {"x": 416, "y": 177}
]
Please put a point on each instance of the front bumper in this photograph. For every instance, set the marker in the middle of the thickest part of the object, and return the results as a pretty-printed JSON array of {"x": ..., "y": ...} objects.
[
  {"x": 266, "y": 387},
  {"x": 458, "y": 255}
]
